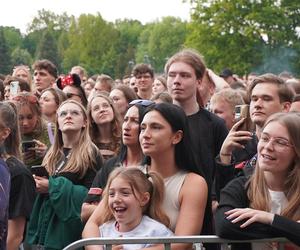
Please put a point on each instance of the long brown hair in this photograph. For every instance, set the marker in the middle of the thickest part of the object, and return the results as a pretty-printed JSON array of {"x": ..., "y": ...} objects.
[
  {"x": 115, "y": 124},
  {"x": 83, "y": 153},
  {"x": 140, "y": 183},
  {"x": 30, "y": 100},
  {"x": 258, "y": 191},
  {"x": 9, "y": 119}
]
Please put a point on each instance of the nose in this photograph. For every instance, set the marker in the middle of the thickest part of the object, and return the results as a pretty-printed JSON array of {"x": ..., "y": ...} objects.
[
  {"x": 117, "y": 197},
  {"x": 126, "y": 125},
  {"x": 258, "y": 103},
  {"x": 24, "y": 122},
  {"x": 145, "y": 133},
  {"x": 269, "y": 145}
]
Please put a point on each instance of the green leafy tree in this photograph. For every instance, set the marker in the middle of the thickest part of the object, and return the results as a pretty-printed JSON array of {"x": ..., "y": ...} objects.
[
  {"x": 160, "y": 40},
  {"x": 13, "y": 38},
  {"x": 5, "y": 61},
  {"x": 129, "y": 32},
  {"x": 46, "y": 19},
  {"x": 90, "y": 39},
  {"x": 245, "y": 35},
  {"x": 21, "y": 56},
  {"x": 47, "y": 48}
]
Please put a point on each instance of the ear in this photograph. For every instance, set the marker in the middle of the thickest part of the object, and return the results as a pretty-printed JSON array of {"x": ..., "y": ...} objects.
[
  {"x": 199, "y": 82},
  {"x": 286, "y": 106},
  {"x": 145, "y": 199},
  {"x": 5, "y": 133},
  {"x": 177, "y": 137}
]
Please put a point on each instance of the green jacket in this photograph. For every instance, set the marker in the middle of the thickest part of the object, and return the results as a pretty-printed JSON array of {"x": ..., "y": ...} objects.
[{"x": 55, "y": 220}]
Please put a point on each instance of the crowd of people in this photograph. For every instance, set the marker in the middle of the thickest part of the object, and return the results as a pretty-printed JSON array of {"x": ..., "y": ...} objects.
[{"x": 188, "y": 152}]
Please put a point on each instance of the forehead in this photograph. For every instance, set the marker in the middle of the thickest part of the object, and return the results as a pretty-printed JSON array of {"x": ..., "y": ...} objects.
[
  {"x": 269, "y": 89},
  {"x": 156, "y": 81},
  {"x": 119, "y": 181},
  {"x": 25, "y": 110},
  {"x": 276, "y": 129},
  {"x": 70, "y": 105},
  {"x": 154, "y": 117},
  {"x": 99, "y": 100},
  {"x": 116, "y": 92},
  {"x": 181, "y": 67},
  {"x": 41, "y": 71},
  {"x": 47, "y": 94},
  {"x": 133, "y": 112}
]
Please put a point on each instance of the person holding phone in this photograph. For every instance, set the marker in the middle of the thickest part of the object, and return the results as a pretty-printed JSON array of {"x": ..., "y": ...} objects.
[
  {"x": 267, "y": 204},
  {"x": 22, "y": 185},
  {"x": 34, "y": 132},
  {"x": 72, "y": 162},
  {"x": 268, "y": 94},
  {"x": 14, "y": 85}
]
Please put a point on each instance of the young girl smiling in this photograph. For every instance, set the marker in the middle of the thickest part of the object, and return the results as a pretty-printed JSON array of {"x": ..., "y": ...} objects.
[{"x": 132, "y": 206}]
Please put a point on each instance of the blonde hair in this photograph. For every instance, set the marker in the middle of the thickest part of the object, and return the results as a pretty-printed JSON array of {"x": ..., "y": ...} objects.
[
  {"x": 232, "y": 97},
  {"x": 140, "y": 183},
  {"x": 258, "y": 193},
  {"x": 82, "y": 155}
]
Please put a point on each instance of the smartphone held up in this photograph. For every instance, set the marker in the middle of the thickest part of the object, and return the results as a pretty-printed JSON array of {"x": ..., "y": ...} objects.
[{"x": 242, "y": 112}]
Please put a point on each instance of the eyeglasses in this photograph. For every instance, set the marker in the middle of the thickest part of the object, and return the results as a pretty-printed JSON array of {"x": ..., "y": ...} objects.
[
  {"x": 72, "y": 112},
  {"x": 70, "y": 95},
  {"x": 26, "y": 98},
  {"x": 277, "y": 142},
  {"x": 142, "y": 102}
]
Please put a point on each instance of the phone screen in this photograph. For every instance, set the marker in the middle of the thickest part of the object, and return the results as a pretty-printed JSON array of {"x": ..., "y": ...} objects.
[
  {"x": 14, "y": 88},
  {"x": 39, "y": 171},
  {"x": 27, "y": 144}
]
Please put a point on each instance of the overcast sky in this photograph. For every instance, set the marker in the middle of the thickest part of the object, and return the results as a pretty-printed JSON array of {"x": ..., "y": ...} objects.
[{"x": 20, "y": 13}]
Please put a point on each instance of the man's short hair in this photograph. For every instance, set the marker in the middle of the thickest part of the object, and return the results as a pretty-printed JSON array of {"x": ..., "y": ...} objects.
[
  {"x": 284, "y": 92},
  {"x": 190, "y": 57},
  {"x": 142, "y": 68},
  {"x": 46, "y": 65}
]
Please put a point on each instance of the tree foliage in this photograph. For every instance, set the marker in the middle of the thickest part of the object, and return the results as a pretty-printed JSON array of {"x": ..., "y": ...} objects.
[
  {"x": 246, "y": 35},
  {"x": 21, "y": 56},
  {"x": 5, "y": 65},
  {"x": 47, "y": 48}
]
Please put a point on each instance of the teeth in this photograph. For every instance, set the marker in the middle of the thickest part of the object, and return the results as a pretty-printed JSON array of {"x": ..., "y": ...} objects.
[
  {"x": 119, "y": 209},
  {"x": 268, "y": 157}
]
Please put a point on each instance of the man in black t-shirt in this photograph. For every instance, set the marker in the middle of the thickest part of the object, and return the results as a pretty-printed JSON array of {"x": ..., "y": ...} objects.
[{"x": 185, "y": 71}]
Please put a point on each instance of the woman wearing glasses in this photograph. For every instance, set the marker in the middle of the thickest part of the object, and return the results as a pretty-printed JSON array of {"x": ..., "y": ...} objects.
[
  {"x": 35, "y": 140},
  {"x": 267, "y": 204},
  {"x": 72, "y": 163}
]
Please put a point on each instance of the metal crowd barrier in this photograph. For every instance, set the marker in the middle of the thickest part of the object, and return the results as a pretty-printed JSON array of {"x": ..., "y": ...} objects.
[{"x": 167, "y": 241}]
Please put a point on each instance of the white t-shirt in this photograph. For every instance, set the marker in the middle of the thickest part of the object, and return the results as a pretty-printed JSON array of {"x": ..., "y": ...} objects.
[
  {"x": 278, "y": 203},
  {"x": 147, "y": 228}
]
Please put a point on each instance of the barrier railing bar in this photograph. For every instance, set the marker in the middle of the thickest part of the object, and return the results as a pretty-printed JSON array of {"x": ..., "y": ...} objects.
[{"x": 167, "y": 241}]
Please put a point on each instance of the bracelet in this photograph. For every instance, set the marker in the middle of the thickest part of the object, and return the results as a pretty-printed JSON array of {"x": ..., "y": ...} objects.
[{"x": 226, "y": 154}]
